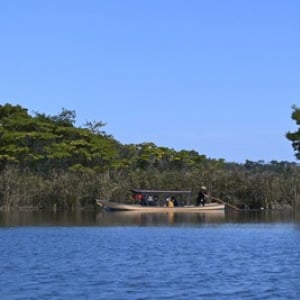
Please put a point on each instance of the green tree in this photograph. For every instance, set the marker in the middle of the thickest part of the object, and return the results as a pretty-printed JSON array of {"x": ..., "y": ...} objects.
[
  {"x": 294, "y": 137},
  {"x": 43, "y": 143}
]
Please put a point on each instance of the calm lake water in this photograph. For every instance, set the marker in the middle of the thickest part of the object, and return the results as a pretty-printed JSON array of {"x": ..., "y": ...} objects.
[{"x": 231, "y": 255}]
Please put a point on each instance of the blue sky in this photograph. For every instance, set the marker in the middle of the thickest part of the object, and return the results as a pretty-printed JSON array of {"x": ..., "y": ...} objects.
[{"x": 215, "y": 76}]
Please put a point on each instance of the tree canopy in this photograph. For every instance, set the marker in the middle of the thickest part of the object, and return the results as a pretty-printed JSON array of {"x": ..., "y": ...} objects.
[
  {"x": 294, "y": 137},
  {"x": 46, "y": 142}
]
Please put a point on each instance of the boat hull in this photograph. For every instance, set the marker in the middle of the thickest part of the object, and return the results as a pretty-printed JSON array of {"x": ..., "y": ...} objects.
[{"x": 114, "y": 206}]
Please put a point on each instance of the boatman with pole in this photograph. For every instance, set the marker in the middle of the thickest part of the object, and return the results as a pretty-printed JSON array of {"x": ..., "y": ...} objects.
[{"x": 202, "y": 196}]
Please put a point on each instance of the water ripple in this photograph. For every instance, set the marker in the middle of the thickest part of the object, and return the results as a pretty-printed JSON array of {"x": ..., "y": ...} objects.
[{"x": 226, "y": 262}]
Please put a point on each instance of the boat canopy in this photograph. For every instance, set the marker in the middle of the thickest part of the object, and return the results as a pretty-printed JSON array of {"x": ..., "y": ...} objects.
[{"x": 137, "y": 191}]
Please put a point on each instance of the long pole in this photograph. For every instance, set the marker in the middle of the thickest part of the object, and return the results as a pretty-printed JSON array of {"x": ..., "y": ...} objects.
[{"x": 227, "y": 204}]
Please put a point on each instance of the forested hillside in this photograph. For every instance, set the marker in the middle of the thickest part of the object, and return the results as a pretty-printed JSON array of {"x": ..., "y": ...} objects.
[{"x": 48, "y": 162}]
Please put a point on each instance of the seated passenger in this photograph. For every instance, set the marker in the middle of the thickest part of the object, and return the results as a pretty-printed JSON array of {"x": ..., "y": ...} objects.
[
  {"x": 174, "y": 200},
  {"x": 150, "y": 200},
  {"x": 141, "y": 199},
  {"x": 170, "y": 202}
]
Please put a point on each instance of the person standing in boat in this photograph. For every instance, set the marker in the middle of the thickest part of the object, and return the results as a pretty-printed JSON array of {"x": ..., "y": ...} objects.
[{"x": 202, "y": 196}]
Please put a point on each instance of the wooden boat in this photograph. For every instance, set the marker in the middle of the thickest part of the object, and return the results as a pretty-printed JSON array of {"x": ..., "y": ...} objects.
[
  {"x": 158, "y": 202},
  {"x": 114, "y": 206}
]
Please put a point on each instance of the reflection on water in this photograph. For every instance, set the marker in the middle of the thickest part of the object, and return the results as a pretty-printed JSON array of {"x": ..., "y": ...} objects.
[
  {"x": 160, "y": 219},
  {"x": 103, "y": 218}
]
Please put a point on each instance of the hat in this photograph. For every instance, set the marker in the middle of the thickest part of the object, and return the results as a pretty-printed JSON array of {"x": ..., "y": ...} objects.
[{"x": 203, "y": 187}]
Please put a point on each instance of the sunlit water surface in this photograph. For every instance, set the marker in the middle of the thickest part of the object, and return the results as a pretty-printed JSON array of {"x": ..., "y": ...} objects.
[{"x": 134, "y": 256}]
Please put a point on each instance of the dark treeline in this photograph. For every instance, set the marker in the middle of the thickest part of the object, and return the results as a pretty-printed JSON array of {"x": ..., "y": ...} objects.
[{"x": 48, "y": 162}]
